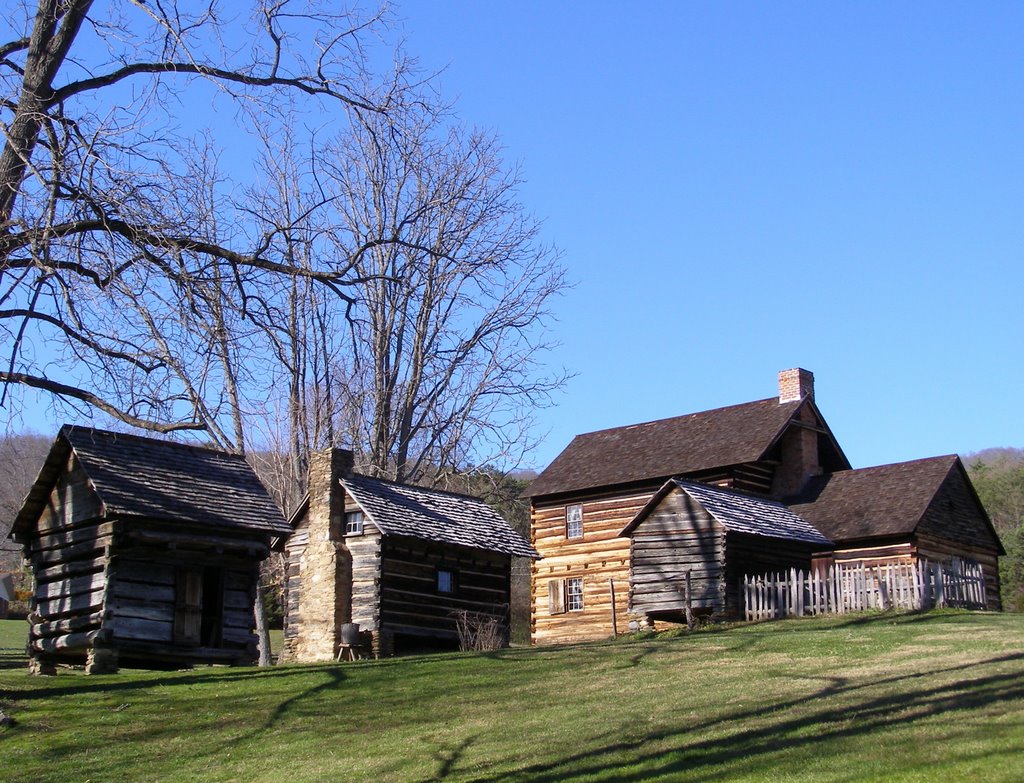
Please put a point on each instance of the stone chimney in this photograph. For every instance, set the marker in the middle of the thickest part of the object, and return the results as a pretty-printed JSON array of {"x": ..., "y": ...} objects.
[
  {"x": 325, "y": 565},
  {"x": 795, "y": 384},
  {"x": 798, "y": 458}
]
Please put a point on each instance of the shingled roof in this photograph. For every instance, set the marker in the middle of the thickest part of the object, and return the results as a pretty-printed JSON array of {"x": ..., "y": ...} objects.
[
  {"x": 144, "y": 477},
  {"x": 433, "y": 515},
  {"x": 667, "y": 447},
  {"x": 739, "y": 513},
  {"x": 888, "y": 500}
]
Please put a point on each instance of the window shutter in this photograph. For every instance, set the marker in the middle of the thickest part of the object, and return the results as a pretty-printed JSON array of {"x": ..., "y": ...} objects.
[{"x": 556, "y": 596}]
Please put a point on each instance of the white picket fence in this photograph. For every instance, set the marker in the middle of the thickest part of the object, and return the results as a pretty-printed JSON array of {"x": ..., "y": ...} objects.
[{"x": 854, "y": 588}]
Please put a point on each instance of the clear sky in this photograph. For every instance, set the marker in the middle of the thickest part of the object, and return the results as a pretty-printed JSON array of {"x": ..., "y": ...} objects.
[{"x": 740, "y": 188}]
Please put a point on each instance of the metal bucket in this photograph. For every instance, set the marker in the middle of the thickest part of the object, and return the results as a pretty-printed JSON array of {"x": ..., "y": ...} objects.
[{"x": 350, "y": 633}]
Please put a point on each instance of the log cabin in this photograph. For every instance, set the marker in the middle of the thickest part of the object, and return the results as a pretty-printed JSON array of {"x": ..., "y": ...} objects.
[
  {"x": 387, "y": 567},
  {"x": 781, "y": 448},
  {"x": 145, "y": 553},
  {"x": 691, "y": 545}
]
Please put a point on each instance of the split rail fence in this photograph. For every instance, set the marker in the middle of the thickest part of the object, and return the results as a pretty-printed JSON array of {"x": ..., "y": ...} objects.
[{"x": 843, "y": 589}]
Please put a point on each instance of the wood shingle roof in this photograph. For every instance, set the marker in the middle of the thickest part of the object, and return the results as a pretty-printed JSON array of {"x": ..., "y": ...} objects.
[
  {"x": 433, "y": 515},
  {"x": 668, "y": 447},
  {"x": 145, "y": 477},
  {"x": 740, "y": 513}
]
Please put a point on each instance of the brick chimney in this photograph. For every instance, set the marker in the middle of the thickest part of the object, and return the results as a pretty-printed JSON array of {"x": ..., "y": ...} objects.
[
  {"x": 325, "y": 565},
  {"x": 798, "y": 459},
  {"x": 795, "y": 384}
]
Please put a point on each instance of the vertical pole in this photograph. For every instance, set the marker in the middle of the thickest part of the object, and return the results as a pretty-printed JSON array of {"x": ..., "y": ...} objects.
[
  {"x": 615, "y": 624},
  {"x": 689, "y": 602}
]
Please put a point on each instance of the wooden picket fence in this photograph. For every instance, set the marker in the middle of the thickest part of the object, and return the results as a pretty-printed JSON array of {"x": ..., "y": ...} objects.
[{"x": 854, "y": 588}]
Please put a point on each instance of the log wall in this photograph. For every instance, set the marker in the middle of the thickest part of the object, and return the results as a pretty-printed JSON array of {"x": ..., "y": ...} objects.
[
  {"x": 410, "y": 604},
  {"x": 110, "y": 585},
  {"x": 601, "y": 558},
  {"x": 924, "y": 546},
  {"x": 676, "y": 538},
  {"x": 598, "y": 557},
  {"x": 145, "y": 604},
  {"x": 70, "y": 553},
  {"x": 749, "y": 554}
]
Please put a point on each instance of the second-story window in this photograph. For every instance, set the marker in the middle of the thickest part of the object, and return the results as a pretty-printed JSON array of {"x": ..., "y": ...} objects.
[
  {"x": 354, "y": 523},
  {"x": 574, "y": 521}
]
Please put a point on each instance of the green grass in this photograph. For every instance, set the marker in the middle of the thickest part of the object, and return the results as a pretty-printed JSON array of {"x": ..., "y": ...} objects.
[{"x": 930, "y": 697}]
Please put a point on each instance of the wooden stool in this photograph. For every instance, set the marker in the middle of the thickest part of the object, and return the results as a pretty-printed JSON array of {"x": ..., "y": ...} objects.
[{"x": 350, "y": 652}]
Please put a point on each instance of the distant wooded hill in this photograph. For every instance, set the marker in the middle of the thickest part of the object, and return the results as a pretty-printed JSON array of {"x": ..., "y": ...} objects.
[{"x": 998, "y": 475}]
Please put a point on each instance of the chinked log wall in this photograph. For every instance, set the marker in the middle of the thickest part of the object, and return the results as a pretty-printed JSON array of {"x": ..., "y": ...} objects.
[
  {"x": 144, "y": 597},
  {"x": 938, "y": 549},
  {"x": 598, "y": 557},
  {"x": 69, "y": 553},
  {"x": 601, "y": 557},
  {"x": 410, "y": 602}
]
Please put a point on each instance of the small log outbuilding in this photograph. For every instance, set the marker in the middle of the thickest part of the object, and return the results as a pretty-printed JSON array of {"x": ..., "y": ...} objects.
[
  {"x": 401, "y": 562},
  {"x": 714, "y": 536},
  {"x": 144, "y": 553}
]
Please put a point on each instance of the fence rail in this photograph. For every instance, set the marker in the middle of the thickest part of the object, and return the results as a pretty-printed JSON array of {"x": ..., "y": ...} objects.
[{"x": 842, "y": 589}]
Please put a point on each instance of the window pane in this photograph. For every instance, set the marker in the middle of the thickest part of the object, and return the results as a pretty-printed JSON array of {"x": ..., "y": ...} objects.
[
  {"x": 574, "y": 594},
  {"x": 445, "y": 582},
  {"x": 574, "y": 521},
  {"x": 353, "y": 523}
]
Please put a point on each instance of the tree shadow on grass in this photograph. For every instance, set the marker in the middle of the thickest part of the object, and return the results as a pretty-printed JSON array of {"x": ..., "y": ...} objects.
[
  {"x": 126, "y": 683},
  {"x": 12, "y": 659},
  {"x": 826, "y": 714}
]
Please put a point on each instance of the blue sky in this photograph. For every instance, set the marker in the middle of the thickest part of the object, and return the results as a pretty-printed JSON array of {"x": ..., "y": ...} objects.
[{"x": 740, "y": 188}]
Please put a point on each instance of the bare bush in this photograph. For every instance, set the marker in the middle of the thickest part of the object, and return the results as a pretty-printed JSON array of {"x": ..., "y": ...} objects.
[{"x": 480, "y": 631}]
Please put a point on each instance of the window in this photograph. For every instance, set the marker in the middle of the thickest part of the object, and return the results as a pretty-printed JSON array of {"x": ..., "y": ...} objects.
[
  {"x": 574, "y": 594},
  {"x": 565, "y": 595},
  {"x": 354, "y": 523},
  {"x": 574, "y": 521},
  {"x": 445, "y": 581}
]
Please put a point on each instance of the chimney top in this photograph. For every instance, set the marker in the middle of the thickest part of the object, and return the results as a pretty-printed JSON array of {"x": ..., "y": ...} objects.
[{"x": 795, "y": 384}]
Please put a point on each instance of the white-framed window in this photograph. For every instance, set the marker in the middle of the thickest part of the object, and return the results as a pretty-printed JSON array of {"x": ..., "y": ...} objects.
[
  {"x": 574, "y": 594},
  {"x": 354, "y": 523},
  {"x": 565, "y": 595},
  {"x": 445, "y": 581},
  {"x": 574, "y": 521}
]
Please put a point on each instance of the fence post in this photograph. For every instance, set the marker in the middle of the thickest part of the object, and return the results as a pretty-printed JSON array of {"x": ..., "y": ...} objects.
[{"x": 689, "y": 603}]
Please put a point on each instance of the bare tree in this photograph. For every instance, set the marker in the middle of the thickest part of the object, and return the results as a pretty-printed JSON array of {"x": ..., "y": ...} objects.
[
  {"x": 448, "y": 325},
  {"x": 129, "y": 265}
]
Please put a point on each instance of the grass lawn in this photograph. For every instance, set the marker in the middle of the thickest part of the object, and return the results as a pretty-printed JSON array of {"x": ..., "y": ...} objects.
[{"x": 931, "y": 697}]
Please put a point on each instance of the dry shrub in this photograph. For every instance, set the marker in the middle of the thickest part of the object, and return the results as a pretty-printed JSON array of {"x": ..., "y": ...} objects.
[{"x": 480, "y": 631}]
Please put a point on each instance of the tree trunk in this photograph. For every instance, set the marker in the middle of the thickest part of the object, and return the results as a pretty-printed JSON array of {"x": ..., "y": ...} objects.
[{"x": 261, "y": 628}]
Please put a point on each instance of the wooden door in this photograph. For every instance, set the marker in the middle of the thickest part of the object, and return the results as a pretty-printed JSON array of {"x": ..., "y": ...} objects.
[{"x": 188, "y": 606}]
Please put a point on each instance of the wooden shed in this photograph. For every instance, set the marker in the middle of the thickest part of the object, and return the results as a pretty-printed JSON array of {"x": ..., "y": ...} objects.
[
  {"x": 716, "y": 535},
  {"x": 925, "y": 509},
  {"x": 145, "y": 553},
  {"x": 401, "y": 561}
]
